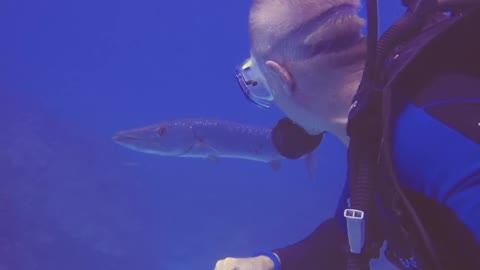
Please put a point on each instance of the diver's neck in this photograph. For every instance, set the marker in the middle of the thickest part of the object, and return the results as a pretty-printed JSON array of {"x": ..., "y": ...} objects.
[
  {"x": 336, "y": 127},
  {"x": 335, "y": 123},
  {"x": 339, "y": 129},
  {"x": 339, "y": 117},
  {"x": 333, "y": 109}
]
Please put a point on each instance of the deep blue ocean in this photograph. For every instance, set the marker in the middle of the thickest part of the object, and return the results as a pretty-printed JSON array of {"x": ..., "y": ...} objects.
[{"x": 72, "y": 73}]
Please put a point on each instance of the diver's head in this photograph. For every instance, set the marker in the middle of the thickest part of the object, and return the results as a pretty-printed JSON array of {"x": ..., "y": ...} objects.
[{"x": 307, "y": 56}]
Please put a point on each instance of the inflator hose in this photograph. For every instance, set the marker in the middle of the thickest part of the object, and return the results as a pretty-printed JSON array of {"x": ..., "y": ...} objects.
[
  {"x": 362, "y": 156},
  {"x": 412, "y": 21}
]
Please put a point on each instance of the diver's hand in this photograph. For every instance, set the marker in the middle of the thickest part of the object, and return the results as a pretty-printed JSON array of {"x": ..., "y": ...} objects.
[{"x": 254, "y": 263}]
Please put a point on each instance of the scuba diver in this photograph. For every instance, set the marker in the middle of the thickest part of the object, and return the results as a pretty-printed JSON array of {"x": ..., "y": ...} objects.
[{"x": 407, "y": 105}]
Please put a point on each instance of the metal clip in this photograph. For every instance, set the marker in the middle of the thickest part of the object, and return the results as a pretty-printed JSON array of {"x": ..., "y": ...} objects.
[{"x": 355, "y": 229}]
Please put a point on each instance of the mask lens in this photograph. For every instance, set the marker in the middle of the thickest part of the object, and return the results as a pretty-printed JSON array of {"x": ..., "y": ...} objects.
[{"x": 252, "y": 83}]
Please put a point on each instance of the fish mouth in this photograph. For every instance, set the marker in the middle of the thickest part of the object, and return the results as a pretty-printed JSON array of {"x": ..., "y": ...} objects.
[
  {"x": 128, "y": 139},
  {"x": 124, "y": 138},
  {"x": 134, "y": 141}
]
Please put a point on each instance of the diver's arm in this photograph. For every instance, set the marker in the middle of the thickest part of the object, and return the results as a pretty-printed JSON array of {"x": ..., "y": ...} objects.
[{"x": 320, "y": 250}]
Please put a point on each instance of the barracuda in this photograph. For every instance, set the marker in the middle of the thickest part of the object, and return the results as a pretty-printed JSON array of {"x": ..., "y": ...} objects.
[{"x": 205, "y": 138}]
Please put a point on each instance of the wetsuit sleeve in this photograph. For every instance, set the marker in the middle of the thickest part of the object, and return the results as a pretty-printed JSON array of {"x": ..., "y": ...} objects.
[{"x": 320, "y": 250}]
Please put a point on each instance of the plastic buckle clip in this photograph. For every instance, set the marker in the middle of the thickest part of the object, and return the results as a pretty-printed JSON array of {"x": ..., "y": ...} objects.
[{"x": 355, "y": 229}]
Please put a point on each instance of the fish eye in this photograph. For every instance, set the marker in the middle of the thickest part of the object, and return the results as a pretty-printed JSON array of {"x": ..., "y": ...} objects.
[{"x": 162, "y": 131}]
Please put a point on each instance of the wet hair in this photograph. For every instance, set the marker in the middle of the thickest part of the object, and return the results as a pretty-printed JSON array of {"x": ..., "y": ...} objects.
[{"x": 280, "y": 27}]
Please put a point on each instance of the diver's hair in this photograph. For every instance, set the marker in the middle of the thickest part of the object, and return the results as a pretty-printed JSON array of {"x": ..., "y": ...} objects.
[{"x": 272, "y": 20}]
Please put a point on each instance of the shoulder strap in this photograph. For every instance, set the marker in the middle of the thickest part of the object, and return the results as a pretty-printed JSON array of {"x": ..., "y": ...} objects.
[
  {"x": 369, "y": 130},
  {"x": 430, "y": 43}
]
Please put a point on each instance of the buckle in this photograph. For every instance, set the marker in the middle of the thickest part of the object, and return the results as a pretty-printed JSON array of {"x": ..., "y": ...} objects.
[{"x": 355, "y": 229}]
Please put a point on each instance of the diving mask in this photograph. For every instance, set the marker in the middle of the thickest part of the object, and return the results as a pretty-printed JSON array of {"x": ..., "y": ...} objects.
[{"x": 253, "y": 84}]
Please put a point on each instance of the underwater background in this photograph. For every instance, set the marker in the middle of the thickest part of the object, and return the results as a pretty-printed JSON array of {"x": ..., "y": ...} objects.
[{"x": 72, "y": 73}]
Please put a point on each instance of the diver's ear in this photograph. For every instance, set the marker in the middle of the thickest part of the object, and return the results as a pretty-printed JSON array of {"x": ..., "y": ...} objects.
[{"x": 283, "y": 74}]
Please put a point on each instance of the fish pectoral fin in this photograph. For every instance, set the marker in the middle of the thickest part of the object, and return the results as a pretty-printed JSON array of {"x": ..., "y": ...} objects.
[
  {"x": 206, "y": 150},
  {"x": 275, "y": 164},
  {"x": 200, "y": 146}
]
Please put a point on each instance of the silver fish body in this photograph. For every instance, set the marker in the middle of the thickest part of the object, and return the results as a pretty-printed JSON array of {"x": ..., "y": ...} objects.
[{"x": 202, "y": 138}]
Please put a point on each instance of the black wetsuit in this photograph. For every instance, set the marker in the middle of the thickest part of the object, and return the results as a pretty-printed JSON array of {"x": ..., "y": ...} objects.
[{"x": 435, "y": 78}]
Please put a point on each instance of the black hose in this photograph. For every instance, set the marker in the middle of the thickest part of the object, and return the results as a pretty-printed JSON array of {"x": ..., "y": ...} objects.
[
  {"x": 358, "y": 262},
  {"x": 410, "y": 22},
  {"x": 413, "y": 19},
  {"x": 362, "y": 185},
  {"x": 361, "y": 178},
  {"x": 363, "y": 150},
  {"x": 362, "y": 189}
]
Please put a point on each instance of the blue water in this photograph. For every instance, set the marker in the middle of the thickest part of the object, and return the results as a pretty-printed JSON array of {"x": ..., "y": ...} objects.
[{"x": 72, "y": 73}]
